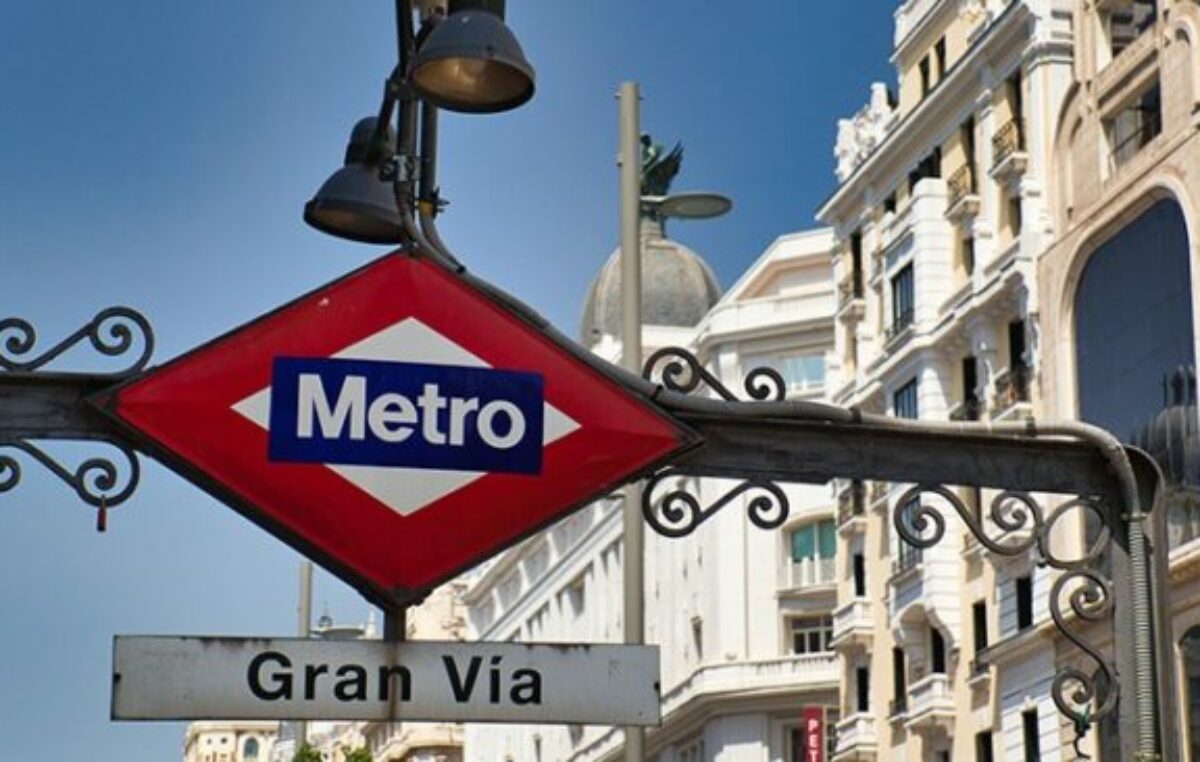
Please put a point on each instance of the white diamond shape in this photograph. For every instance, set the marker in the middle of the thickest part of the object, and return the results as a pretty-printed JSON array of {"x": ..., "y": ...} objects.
[{"x": 407, "y": 490}]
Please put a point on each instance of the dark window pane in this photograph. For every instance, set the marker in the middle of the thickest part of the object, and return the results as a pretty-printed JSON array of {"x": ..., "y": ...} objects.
[
  {"x": 1024, "y": 587},
  {"x": 1134, "y": 350}
]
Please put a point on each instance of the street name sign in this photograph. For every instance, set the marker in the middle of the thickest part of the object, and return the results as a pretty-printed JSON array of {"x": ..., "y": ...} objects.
[
  {"x": 192, "y": 678},
  {"x": 398, "y": 425}
]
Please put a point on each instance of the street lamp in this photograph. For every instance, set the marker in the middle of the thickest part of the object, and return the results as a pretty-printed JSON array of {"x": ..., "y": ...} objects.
[
  {"x": 469, "y": 62},
  {"x": 758, "y": 444}
]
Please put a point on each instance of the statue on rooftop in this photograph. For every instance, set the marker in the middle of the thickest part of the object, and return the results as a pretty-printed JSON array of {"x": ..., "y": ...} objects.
[{"x": 658, "y": 170}]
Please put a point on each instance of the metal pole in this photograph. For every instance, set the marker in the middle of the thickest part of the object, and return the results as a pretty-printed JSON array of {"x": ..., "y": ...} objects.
[
  {"x": 304, "y": 630},
  {"x": 631, "y": 358}
]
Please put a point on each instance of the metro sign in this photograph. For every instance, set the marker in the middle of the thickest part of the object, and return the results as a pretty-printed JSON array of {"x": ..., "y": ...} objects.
[{"x": 397, "y": 425}]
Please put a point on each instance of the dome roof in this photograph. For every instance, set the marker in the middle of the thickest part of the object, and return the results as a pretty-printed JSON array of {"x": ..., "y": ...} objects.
[
  {"x": 678, "y": 288},
  {"x": 1172, "y": 437}
]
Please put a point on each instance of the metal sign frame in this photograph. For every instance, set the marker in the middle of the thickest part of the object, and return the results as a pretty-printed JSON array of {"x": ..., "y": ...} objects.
[{"x": 761, "y": 441}]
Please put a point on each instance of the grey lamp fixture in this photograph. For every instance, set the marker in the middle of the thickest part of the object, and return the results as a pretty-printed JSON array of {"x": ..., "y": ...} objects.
[
  {"x": 471, "y": 62},
  {"x": 692, "y": 205},
  {"x": 356, "y": 202}
]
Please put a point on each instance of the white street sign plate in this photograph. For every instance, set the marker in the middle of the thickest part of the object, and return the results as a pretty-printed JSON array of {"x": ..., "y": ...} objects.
[{"x": 195, "y": 678}]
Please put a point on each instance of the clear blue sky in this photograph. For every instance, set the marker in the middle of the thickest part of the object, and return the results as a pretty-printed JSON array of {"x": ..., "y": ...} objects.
[{"x": 158, "y": 155}]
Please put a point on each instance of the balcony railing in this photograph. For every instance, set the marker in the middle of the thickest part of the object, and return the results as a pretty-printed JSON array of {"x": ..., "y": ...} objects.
[
  {"x": 856, "y": 733},
  {"x": 930, "y": 700},
  {"x": 900, "y": 325},
  {"x": 1130, "y": 145},
  {"x": 850, "y": 288},
  {"x": 852, "y": 502},
  {"x": 1012, "y": 386},
  {"x": 852, "y": 622},
  {"x": 960, "y": 184},
  {"x": 1008, "y": 140},
  {"x": 783, "y": 672},
  {"x": 968, "y": 410},
  {"x": 906, "y": 559},
  {"x": 877, "y": 492},
  {"x": 809, "y": 572}
]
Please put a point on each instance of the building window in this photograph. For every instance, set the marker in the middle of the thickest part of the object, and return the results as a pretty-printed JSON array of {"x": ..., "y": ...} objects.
[
  {"x": 970, "y": 407},
  {"x": 902, "y": 300},
  {"x": 698, "y": 638},
  {"x": 899, "y": 682},
  {"x": 814, "y": 547},
  {"x": 811, "y": 634},
  {"x": 968, "y": 255},
  {"x": 860, "y": 576},
  {"x": 1029, "y": 726},
  {"x": 250, "y": 749},
  {"x": 967, "y": 135},
  {"x": 939, "y": 57},
  {"x": 904, "y": 401},
  {"x": 983, "y": 747},
  {"x": 979, "y": 630},
  {"x": 862, "y": 689},
  {"x": 926, "y": 81},
  {"x": 937, "y": 652},
  {"x": 1136, "y": 364},
  {"x": 930, "y": 166},
  {"x": 1128, "y": 22},
  {"x": 692, "y": 752},
  {"x": 803, "y": 372},
  {"x": 889, "y": 202},
  {"x": 1189, "y": 647},
  {"x": 1024, "y": 592},
  {"x": 856, "y": 264},
  {"x": 1133, "y": 127}
]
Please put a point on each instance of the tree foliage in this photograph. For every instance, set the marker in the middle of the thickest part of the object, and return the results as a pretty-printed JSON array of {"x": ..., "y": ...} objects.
[
  {"x": 307, "y": 753},
  {"x": 361, "y": 754}
]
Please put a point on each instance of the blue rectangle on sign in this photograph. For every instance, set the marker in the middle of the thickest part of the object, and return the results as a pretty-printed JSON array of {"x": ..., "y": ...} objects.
[{"x": 411, "y": 415}]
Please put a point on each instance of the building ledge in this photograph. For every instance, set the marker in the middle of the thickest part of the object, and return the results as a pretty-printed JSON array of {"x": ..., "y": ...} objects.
[
  {"x": 856, "y": 738},
  {"x": 853, "y": 625}
]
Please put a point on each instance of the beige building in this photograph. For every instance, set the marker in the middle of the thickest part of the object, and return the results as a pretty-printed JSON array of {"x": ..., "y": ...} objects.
[
  {"x": 743, "y": 616},
  {"x": 248, "y": 741},
  {"x": 1118, "y": 286},
  {"x": 941, "y": 213}
]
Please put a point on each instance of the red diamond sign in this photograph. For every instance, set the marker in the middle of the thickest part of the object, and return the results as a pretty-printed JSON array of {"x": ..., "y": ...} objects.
[{"x": 397, "y": 425}]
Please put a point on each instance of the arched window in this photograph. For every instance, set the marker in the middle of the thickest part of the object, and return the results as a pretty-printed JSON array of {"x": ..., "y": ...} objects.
[
  {"x": 1189, "y": 646},
  {"x": 1134, "y": 350},
  {"x": 250, "y": 749}
]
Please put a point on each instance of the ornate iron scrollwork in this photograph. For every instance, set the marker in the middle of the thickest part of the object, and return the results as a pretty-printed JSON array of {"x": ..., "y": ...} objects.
[
  {"x": 1082, "y": 696},
  {"x": 677, "y": 512},
  {"x": 102, "y": 481},
  {"x": 112, "y": 332},
  {"x": 679, "y": 371}
]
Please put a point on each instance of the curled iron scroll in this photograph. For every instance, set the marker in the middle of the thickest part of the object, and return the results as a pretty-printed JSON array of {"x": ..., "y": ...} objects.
[
  {"x": 112, "y": 332},
  {"x": 1082, "y": 696},
  {"x": 677, "y": 512},
  {"x": 923, "y": 526},
  {"x": 679, "y": 371},
  {"x": 101, "y": 481}
]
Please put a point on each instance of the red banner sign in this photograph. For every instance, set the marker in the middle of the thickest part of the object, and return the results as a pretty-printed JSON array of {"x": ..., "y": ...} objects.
[{"x": 813, "y": 734}]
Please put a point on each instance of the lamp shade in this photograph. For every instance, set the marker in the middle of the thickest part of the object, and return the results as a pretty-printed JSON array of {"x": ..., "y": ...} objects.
[
  {"x": 472, "y": 63},
  {"x": 356, "y": 203}
]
